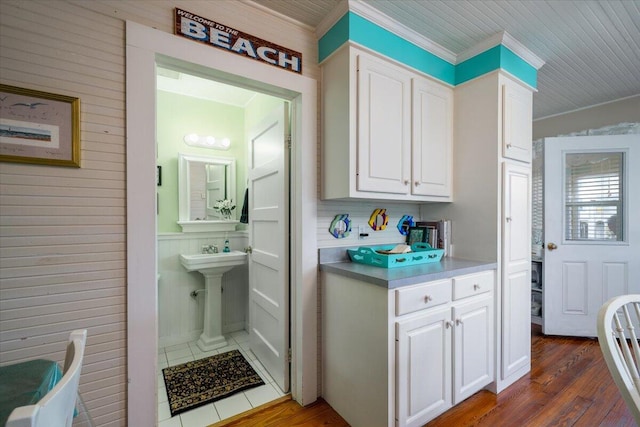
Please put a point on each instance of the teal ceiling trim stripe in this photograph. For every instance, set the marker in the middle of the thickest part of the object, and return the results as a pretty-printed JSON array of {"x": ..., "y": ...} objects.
[
  {"x": 483, "y": 63},
  {"x": 364, "y": 32},
  {"x": 376, "y": 38},
  {"x": 518, "y": 67},
  {"x": 493, "y": 59},
  {"x": 334, "y": 38}
]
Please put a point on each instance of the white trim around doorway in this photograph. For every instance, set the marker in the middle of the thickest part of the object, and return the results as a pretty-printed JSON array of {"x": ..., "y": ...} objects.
[{"x": 144, "y": 47}]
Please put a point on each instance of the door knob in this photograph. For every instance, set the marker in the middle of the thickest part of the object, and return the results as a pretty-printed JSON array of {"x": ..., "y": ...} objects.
[{"x": 552, "y": 246}]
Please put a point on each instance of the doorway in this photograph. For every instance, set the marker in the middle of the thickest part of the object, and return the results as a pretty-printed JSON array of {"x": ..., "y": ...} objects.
[
  {"x": 189, "y": 105},
  {"x": 146, "y": 47}
]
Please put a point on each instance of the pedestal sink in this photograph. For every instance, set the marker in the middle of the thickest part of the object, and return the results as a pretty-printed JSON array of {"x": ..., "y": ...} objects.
[{"x": 212, "y": 267}]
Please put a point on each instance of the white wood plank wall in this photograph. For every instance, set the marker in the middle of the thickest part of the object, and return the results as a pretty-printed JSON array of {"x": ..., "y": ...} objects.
[{"x": 62, "y": 230}]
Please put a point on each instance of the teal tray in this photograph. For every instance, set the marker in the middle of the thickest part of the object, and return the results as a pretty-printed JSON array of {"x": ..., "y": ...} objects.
[{"x": 421, "y": 253}]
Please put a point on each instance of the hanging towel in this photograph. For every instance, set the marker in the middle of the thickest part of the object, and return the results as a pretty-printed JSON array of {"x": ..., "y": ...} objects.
[{"x": 244, "y": 217}]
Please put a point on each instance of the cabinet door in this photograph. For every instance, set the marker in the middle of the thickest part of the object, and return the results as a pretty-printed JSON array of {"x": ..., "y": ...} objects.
[
  {"x": 432, "y": 139},
  {"x": 423, "y": 378},
  {"x": 472, "y": 346},
  {"x": 516, "y": 269},
  {"x": 384, "y": 126},
  {"x": 517, "y": 117}
]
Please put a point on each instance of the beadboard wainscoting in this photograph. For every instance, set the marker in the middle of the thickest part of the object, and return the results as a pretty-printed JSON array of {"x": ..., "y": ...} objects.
[{"x": 181, "y": 316}]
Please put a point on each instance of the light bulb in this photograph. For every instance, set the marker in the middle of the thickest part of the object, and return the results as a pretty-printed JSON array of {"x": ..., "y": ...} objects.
[{"x": 192, "y": 138}]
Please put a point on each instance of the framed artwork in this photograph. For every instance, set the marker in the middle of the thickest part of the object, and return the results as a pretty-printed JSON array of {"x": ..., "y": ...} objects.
[
  {"x": 417, "y": 235},
  {"x": 39, "y": 127}
]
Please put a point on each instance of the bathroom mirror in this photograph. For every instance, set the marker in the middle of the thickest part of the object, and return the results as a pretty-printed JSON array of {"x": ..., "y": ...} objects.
[{"x": 202, "y": 181}]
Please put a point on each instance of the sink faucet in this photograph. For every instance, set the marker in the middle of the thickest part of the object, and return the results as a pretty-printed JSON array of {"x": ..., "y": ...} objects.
[{"x": 209, "y": 249}]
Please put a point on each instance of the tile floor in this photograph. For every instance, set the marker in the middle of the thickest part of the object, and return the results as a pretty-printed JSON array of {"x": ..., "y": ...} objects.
[{"x": 221, "y": 409}]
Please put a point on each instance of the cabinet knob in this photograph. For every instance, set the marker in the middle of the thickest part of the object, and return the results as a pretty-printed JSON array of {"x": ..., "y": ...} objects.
[
  {"x": 406, "y": 182},
  {"x": 427, "y": 298},
  {"x": 458, "y": 321},
  {"x": 508, "y": 219},
  {"x": 416, "y": 183},
  {"x": 509, "y": 146},
  {"x": 448, "y": 324},
  {"x": 476, "y": 286}
]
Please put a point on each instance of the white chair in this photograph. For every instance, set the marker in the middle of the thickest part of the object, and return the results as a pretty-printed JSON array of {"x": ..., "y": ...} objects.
[
  {"x": 621, "y": 351},
  {"x": 57, "y": 407}
]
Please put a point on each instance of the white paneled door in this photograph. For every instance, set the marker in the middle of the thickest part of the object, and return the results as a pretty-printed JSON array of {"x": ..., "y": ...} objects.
[
  {"x": 591, "y": 228},
  {"x": 269, "y": 240}
]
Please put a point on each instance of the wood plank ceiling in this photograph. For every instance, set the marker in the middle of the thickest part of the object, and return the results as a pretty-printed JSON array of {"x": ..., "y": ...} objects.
[{"x": 591, "y": 48}]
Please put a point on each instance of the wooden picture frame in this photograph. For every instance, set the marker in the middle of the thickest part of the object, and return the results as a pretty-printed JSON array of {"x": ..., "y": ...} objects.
[{"x": 39, "y": 127}]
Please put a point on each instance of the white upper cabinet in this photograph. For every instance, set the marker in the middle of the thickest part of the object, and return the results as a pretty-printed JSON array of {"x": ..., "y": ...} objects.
[
  {"x": 517, "y": 104},
  {"x": 432, "y": 138},
  {"x": 387, "y": 131},
  {"x": 384, "y": 126}
]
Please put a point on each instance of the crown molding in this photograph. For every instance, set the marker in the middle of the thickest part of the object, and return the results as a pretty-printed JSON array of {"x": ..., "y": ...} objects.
[
  {"x": 374, "y": 15},
  {"x": 521, "y": 50},
  {"x": 507, "y": 41},
  {"x": 477, "y": 49}
]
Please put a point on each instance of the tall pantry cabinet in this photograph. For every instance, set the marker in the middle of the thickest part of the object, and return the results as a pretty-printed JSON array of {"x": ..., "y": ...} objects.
[{"x": 491, "y": 215}]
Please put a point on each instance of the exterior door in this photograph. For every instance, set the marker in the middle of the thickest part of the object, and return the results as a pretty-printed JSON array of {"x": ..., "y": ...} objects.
[
  {"x": 269, "y": 239},
  {"x": 591, "y": 228}
]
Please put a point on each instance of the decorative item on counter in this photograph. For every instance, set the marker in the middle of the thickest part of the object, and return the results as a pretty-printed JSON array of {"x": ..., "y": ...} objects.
[
  {"x": 379, "y": 219},
  {"x": 224, "y": 207},
  {"x": 397, "y": 249},
  {"x": 417, "y": 235},
  {"x": 405, "y": 222},
  {"x": 340, "y": 226},
  {"x": 421, "y": 253},
  {"x": 439, "y": 234}
]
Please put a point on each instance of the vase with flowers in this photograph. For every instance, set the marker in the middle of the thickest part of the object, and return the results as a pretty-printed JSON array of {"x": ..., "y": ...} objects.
[{"x": 224, "y": 207}]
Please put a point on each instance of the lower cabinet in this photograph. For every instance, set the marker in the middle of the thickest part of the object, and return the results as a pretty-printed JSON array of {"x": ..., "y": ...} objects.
[
  {"x": 444, "y": 354},
  {"x": 401, "y": 357}
]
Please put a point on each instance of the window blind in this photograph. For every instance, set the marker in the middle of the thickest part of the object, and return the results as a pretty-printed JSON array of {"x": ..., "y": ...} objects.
[{"x": 593, "y": 196}]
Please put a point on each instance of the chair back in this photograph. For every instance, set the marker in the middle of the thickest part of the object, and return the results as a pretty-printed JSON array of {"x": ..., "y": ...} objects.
[
  {"x": 618, "y": 321},
  {"x": 57, "y": 407}
]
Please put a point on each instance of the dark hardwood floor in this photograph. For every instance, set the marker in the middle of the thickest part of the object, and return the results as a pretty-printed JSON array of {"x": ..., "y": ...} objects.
[{"x": 569, "y": 385}]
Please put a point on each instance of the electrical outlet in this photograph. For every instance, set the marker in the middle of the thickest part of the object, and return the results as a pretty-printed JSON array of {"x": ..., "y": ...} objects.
[{"x": 362, "y": 232}]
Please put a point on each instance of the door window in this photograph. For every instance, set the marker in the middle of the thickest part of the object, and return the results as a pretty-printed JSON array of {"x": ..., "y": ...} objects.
[{"x": 594, "y": 197}]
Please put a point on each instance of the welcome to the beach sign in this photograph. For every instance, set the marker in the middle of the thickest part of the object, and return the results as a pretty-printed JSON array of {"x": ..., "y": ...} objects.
[{"x": 218, "y": 35}]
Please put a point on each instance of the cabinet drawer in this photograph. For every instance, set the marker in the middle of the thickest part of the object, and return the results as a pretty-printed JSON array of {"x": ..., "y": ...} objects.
[
  {"x": 472, "y": 284},
  {"x": 419, "y": 297}
]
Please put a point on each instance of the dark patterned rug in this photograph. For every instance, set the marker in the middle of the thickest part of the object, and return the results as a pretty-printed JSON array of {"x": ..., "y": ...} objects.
[{"x": 203, "y": 381}]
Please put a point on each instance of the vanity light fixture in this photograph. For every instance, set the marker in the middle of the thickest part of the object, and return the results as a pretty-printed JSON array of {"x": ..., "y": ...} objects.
[{"x": 207, "y": 141}]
